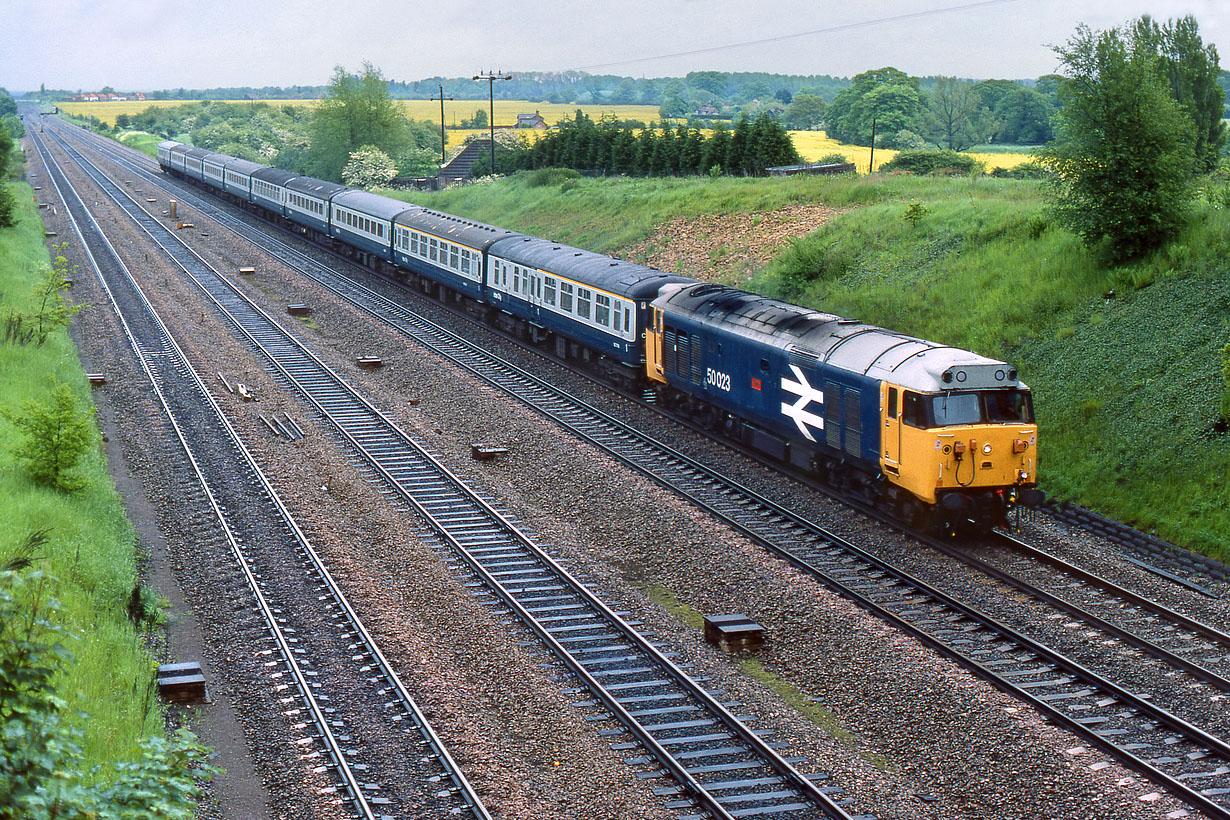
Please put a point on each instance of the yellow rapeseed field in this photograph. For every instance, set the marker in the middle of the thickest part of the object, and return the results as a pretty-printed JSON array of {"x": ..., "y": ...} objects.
[
  {"x": 812, "y": 145},
  {"x": 455, "y": 111}
]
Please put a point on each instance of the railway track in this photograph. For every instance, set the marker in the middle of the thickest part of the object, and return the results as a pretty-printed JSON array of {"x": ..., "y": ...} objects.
[
  {"x": 1146, "y": 551},
  {"x": 1128, "y": 727},
  {"x": 343, "y": 673},
  {"x": 720, "y": 767}
]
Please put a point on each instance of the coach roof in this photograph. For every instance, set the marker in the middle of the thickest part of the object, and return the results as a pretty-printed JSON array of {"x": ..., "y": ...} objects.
[{"x": 613, "y": 275}]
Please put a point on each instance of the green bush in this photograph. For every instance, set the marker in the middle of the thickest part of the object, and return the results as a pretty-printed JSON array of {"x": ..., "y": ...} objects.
[
  {"x": 549, "y": 176},
  {"x": 1225, "y": 390},
  {"x": 8, "y": 211},
  {"x": 57, "y": 434},
  {"x": 1026, "y": 170},
  {"x": 936, "y": 163},
  {"x": 40, "y": 755}
]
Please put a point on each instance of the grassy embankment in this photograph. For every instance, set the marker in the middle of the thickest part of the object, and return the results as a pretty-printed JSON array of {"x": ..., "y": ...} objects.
[
  {"x": 1126, "y": 388},
  {"x": 90, "y": 543}
]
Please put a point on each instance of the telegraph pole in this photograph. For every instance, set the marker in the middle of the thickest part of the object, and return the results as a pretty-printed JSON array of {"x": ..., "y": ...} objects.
[
  {"x": 441, "y": 98},
  {"x": 871, "y": 163},
  {"x": 491, "y": 77}
]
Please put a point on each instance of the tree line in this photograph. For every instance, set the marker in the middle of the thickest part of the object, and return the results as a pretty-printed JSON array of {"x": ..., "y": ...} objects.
[
  {"x": 11, "y": 130},
  {"x": 357, "y": 112},
  {"x": 611, "y": 147}
]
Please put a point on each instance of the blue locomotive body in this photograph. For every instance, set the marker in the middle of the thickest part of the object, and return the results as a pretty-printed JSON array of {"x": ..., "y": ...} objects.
[{"x": 749, "y": 357}]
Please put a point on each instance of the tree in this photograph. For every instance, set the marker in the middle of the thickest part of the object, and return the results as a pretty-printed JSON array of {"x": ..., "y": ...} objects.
[
  {"x": 6, "y": 152},
  {"x": 992, "y": 92},
  {"x": 887, "y": 96},
  {"x": 805, "y": 113},
  {"x": 357, "y": 110},
  {"x": 1025, "y": 117},
  {"x": 714, "y": 82},
  {"x": 1191, "y": 71},
  {"x": 57, "y": 434},
  {"x": 1124, "y": 151},
  {"x": 478, "y": 121},
  {"x": 956, "y": 117},
  {"x": 8, "y": 206},
  {"x": 368, "y": 168}
]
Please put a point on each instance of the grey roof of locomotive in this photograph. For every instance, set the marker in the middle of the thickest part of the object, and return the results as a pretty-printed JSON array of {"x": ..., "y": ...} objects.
[{"x": 839, "y": 342}]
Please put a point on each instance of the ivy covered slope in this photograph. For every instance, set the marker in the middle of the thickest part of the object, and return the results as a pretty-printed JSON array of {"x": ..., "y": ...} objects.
[
  {"x": 64, "y": 537},
  {"x": 1128, "y": 389}
]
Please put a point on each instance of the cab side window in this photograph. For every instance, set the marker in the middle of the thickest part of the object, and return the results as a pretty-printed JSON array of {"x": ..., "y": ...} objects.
[
  {"x": 892, "y": 402},
  {"x": 913, "y": 410}
]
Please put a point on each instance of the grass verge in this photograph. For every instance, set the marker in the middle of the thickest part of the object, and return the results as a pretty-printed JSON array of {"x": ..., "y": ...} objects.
[{"x": 90, "y": 543}]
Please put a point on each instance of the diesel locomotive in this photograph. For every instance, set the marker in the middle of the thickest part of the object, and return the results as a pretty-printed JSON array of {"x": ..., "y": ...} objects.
[{"x": 942, "y": 437}]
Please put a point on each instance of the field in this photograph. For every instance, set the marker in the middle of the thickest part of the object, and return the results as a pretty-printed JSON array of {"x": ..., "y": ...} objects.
[
  {"x": 815, "y": 144},
  {"x": 812, "y": 145},
  {"x": 455, "y": 111}
]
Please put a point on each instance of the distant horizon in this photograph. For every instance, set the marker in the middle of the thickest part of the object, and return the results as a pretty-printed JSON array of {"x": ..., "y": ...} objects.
[
  {"x": 206, "y": 89},
  {"x": 84, "y": 45}
]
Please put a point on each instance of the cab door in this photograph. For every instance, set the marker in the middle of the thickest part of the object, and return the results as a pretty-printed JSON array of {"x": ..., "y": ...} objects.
[{"x": 890, "y": 440}]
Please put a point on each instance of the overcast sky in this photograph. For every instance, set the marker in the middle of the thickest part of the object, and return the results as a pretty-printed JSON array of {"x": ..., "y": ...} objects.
[{"x": 153, "y": 44}]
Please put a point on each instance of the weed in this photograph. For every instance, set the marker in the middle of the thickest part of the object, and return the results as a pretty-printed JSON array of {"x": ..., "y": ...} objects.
[{"x": 914, "y": 214}]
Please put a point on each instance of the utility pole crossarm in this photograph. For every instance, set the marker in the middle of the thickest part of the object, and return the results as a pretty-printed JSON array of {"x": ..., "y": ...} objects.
[{"x": 491, "y": 77}]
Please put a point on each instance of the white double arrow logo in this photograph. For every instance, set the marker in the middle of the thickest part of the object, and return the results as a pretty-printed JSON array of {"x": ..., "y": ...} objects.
[{"x": 798, "y": 411}]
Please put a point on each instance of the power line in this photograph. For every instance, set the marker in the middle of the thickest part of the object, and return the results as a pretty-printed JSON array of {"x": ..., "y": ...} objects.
[{"x": 781, "y": 37}]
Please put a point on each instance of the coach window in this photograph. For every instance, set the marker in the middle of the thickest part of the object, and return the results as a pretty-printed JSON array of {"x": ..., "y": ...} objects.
[
  {"x": 434, "y": 247},
  {"x": 913, "y": 411},
  {"x": 602, "y": 309},
  {"x": 583, "y": 297},
  {"x": 452, "y": 256},
  {"x": 548, "y": 291},
  {"x": 615, "y": 314},
  {"x": 565, "y": 296},
  {"x": 516, "y": 285}
]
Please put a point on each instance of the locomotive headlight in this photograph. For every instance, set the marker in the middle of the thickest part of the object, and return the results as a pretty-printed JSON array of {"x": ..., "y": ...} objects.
[
  {"x": 986, "y": 449},
  {"x": 1024, "y": 476}
]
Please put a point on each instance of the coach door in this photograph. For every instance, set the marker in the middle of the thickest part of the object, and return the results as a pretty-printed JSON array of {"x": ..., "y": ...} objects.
[{"x": 890, "y": 442}]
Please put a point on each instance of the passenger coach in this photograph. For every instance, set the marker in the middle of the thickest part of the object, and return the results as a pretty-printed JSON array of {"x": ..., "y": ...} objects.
[
  {"x": 446, "y": 250},
  {"x": 586, "y": 299},
  {"x": 364, "y": 221},
  {"x": 237, "y": 178}
]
